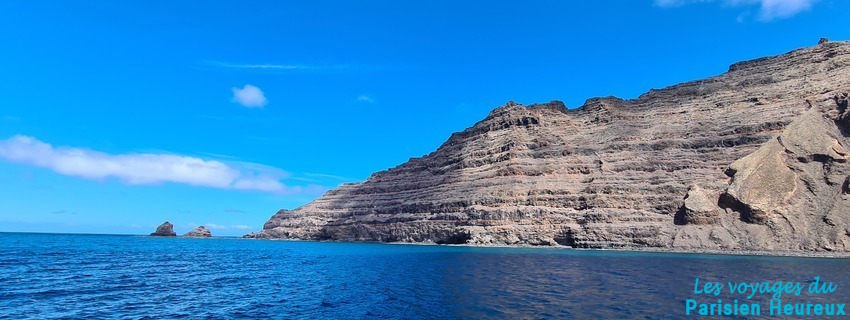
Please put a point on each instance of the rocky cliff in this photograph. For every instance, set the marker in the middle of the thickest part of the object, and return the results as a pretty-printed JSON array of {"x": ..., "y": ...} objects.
[{"x": 754, "y": 159}]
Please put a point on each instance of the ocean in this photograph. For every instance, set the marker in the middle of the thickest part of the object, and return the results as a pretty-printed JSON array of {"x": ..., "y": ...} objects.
[{"x": 62, "y": 276}]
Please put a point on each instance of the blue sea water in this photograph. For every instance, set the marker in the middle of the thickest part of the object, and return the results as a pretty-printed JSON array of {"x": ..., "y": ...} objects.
[{"x": 46, "y": 276}]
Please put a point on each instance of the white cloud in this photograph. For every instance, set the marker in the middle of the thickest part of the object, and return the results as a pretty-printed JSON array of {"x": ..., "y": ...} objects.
[
  {"x": 778, "y": 9},
  {"x": 143, "y": 169},
  {"x": 263, "y": 66},
  {"x": 249, "y": 96},
  {"x": 676, "y": 3},
  {"x": 768, "y": 9},
  {"x": 64, "y": 212},
  {"x": 365, "y": 98},
  {"x": 271, "y": 67},
  {"x": 324, "y": 175},
  {"x": 214, "y": 226}
]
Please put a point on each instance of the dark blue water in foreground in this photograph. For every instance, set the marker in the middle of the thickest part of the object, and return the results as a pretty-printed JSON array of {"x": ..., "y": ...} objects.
[{"x": 101, "y": 276}]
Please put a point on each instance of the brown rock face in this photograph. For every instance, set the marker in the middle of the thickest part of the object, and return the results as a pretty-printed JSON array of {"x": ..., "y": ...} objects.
[
  {"x": 199, "y": 232},
  {"x": 700, "y": 208},
  {"x": 755, "y": 158},
  {"x": 166, "y": 229}
]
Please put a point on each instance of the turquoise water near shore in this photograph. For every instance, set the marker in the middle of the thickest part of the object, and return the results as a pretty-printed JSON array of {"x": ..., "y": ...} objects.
[{"x": 47, "y": 276}]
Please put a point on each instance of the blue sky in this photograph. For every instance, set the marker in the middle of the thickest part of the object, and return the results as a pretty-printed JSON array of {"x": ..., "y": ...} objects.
[{"x": 118, "y": 115}]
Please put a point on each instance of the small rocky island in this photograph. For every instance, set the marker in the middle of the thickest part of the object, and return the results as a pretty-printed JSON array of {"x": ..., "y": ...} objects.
[
  {"x": 166, "y": 229},
  {"x": 199, "y": 232}
]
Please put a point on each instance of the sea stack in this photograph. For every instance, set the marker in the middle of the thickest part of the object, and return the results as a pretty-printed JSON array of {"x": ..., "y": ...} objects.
[
  {"x": 166, "y": 229},
  {"x": 199, "y": 232}
]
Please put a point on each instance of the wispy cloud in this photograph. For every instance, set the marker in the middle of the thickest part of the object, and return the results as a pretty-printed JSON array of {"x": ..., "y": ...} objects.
[
  {"x": 251, "y": 119},
  {"x": 366, "y": 99},
  {"x": 233, "y": 211},
  {"x": 768, "y": 9},
  {"x": 287, "y": 67},
  {"x": 215, "y": 226},
  {"x": 220, "y": 156},
  {"x": 676, "y": 3},
  {"x": 63, "y": 212},
  {"x": 324, "y": 175},
  {"x": 262, "y": 66},
  {"x": 144, "y": 169},
  {"x": 321, "y": 178},
  {"x": 249, "y": 96},
  {"x": 778, "y": 9}
]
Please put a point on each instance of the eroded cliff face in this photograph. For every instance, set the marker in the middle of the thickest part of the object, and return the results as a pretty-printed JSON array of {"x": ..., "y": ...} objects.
[{"x": 755, "y": 158}]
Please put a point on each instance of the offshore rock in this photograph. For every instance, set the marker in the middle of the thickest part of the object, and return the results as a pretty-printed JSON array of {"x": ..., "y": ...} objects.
[
  {"x": 166, "y": 229},
  {"x": 199, "y": 232},
  {"x": 256, "y": 235},
  {"x": 752, "y": 159}
]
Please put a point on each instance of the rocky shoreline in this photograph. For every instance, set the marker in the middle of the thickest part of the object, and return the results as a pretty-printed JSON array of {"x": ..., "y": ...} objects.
[{"x": 761, "y": 253}]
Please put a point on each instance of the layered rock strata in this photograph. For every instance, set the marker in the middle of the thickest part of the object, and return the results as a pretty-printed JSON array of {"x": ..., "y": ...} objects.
[{"x": 753, "y": 159}]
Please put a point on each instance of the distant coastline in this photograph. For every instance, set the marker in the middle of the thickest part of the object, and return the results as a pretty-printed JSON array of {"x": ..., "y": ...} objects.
[
  {"x": 789, "y": 254},
  {"x": 757, "y": 253}
]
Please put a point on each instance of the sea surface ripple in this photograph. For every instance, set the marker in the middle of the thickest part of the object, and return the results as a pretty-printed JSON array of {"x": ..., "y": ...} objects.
[{"x": 61, "y": 276}]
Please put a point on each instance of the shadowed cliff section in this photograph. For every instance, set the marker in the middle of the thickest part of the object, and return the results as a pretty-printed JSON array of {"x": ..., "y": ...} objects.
[{"x": 755, "y": 158}]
